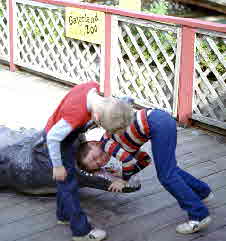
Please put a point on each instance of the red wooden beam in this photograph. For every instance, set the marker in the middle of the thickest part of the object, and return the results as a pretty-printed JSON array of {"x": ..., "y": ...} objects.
[
  {"x": 11, "y": 36},
  {"x": 189, "y": 22},
  {"x": 107, "y": 79},
  {"x": 186, "y": 75}
]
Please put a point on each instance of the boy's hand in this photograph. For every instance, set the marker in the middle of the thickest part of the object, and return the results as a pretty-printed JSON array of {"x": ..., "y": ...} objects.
[
  {"x": 117, "y": 185},
  {"x": 59, "y": 173}
]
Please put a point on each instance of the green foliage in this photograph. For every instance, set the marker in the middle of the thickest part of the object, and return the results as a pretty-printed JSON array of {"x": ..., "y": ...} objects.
[
  {"x": 149, "y": 44},
  {"x": 2, "y": 7},
  {"x": 212, "y": 57},
  {"x": 34, "y": 22},
  {"x": 160, "y": 7},
  {"x": 168, "y": 38}
]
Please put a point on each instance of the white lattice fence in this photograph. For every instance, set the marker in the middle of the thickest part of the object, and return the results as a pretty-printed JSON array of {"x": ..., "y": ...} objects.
[
  {"x": 4, "y": 32},
  {"x": 147, "y": 58},
  {"x": 209, "y": 102},
  {"x": 42, "y": 45}
]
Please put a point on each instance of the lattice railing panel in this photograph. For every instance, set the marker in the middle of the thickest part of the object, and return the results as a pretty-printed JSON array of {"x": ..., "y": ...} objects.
[
  {"x": 42, "y": 46},
  {"x": 147, "y": 58},
  {"x": 4, "y": 31},
  {"x": 210, "y": 81}
]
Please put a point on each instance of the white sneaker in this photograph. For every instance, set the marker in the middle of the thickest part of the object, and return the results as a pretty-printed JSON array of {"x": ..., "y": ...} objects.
[
  {"x": 93, "y": 235},
  {"x": 209, "y": 198},
  {"x": 193, "y": 226}
]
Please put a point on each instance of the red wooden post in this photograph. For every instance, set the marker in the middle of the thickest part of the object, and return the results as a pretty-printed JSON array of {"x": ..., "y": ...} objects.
[
  {"x": 186, "y": 75},
  {"x": 107, "y": 79},
  {"x": 11, "y": 36}
]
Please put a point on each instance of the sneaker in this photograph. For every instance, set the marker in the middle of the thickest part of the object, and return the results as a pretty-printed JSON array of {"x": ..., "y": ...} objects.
[
  {"x": 93, "y": 235},
  {"x": 193, "y": 226},
  {"x": 209, "y": 198}
]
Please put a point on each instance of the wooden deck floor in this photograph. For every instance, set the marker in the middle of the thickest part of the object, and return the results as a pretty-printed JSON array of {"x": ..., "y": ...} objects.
[{"x": 148, "y": 215}]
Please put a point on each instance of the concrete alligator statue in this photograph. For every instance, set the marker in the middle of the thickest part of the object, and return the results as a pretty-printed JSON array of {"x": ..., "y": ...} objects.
[{"x": 25, "y": 165}]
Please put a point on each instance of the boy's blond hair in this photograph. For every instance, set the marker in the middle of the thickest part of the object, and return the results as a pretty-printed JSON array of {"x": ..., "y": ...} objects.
[{"x": 115, "y": 114}]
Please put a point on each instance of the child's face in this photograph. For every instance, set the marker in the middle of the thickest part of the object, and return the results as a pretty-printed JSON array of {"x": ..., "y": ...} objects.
[{"x": 95, "y": 159}]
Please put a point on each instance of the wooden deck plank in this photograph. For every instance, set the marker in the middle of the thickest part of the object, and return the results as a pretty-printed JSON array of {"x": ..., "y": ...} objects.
[
  {"x": 164, "y": 223},
  {"x": 25, "y": 209},
  {"x": 8, "y": 199},
  {"x": 149, "y": 203},
  {"x": 149, "y": 189},
  {"x": 152, "y": 186},
  {"x": 218, "y": 235},
  {"x": 140, "y": 228},
  {"x": 204, "y": 169},
  {"x": 55, "y": 233},
  {"x": 192, "y": 158},
  {"x": 157, "y": 219},
  {"x": 27, "y": 226},
  {"x": 195, "y": 145},
  {"x": 168, "y": 232}
]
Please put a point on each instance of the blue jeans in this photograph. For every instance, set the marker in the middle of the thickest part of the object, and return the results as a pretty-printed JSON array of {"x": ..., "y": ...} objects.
[
  {"x": 68, "y": 202},
  {"x": 187, "y": 190}
]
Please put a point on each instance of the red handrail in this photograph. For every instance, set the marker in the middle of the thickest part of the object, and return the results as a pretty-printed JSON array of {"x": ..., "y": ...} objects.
[{"x": 189, "y": 22}]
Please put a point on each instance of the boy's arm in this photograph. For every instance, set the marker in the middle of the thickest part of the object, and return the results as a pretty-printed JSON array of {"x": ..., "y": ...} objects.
[
  {"x": 143, "y": 160},
  {"x": 131, "y": 162},
  {"x": 54, "y": 137}
]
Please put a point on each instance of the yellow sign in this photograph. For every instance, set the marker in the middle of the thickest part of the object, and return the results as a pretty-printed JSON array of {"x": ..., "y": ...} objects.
[
  {"x": 86, "y": 25},
  {"x": 130, "y": 4}
]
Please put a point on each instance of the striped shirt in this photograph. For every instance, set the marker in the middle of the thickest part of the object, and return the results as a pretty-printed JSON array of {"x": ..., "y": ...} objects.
[{"x": 126, "y": 147}]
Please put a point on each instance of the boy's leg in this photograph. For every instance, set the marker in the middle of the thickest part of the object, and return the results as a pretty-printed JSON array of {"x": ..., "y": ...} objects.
[
  {"x": 68, "y": 201},
  {"x": 163, "y": 138},
  {"x": 202, "y": 189},
  {"x": 68, "y": 206}
]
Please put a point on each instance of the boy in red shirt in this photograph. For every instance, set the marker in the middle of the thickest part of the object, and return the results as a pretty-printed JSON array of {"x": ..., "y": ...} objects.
[{"x": 80, "y": 105}]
